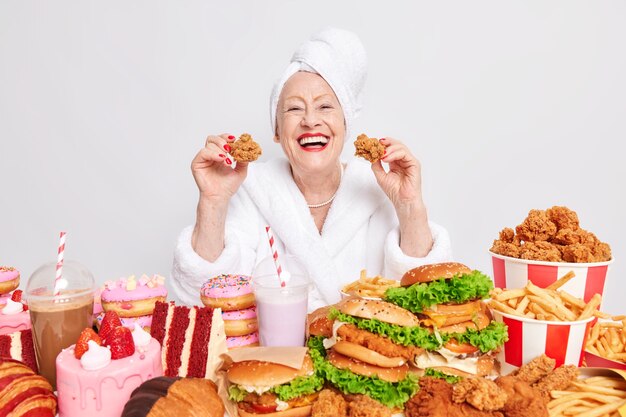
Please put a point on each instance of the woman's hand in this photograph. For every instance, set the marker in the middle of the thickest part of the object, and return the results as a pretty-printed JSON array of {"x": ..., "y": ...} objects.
[
  {"x": 213, "y": 172},
  {"x": 403, "y": 186},
  {"x": 217, "y": 182},
  {"x": 403, "y": 182}
]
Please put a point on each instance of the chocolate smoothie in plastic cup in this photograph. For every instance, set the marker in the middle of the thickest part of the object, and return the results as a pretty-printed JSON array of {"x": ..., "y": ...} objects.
[{"x": 58, "y": 320}]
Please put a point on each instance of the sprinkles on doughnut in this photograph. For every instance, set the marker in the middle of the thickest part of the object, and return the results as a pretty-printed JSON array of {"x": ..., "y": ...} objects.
[
  {"x": 248, "y": 340},
  {"x": 131, "y": 297},
  {"x": 228, "y": 292}
]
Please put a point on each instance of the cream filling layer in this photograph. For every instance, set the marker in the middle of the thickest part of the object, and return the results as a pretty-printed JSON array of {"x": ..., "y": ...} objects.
[
  {"x": 16, "y": 346},
  {"x": 445, "y": 357},
  {"x": 186, "y": 352}
]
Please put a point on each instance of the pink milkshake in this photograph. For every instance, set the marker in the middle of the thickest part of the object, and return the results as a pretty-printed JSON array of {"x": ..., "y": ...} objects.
[{"x": 281, "y": 311}]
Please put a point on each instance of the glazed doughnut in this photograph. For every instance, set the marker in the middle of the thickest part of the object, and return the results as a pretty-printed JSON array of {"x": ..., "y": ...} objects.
[
  {"x": 228, "y": 292},
  {"x": 144, "y": 321},
  {"x": 248, "y": 340},
  {"x": 133, "y": 297},
  {"x": 240, "y": 322},
  {"x": 9, "y": 279}
]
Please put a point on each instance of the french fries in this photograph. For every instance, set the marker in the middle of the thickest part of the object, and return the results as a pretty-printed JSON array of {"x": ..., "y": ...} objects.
[
  {"x": 608, "y": 339},
  {"x": 599, "y": 396},
  {"x": 373, "y": 287},
  {"x": 548, "y": 303}
]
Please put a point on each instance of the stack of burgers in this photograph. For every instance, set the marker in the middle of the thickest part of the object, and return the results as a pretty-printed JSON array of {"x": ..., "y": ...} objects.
[{"x": 436, "y": 320}]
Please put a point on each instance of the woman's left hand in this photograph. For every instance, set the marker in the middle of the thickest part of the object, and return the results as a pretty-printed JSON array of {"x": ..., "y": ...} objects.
[{"x": 403, "y": 182}]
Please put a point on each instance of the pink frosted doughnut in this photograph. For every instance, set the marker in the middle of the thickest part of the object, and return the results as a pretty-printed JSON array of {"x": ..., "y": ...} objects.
[
  {"x": 131, "y": 297},
  {"x": 228, "y": 292},
  {"x": 248, "y": 340},
  {"x": 9, "y": 279},
  {"x": 240, "y": 322}
]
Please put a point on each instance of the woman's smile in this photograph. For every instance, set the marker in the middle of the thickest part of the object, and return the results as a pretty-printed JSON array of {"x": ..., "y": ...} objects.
[{"x": 313, "y": 142}]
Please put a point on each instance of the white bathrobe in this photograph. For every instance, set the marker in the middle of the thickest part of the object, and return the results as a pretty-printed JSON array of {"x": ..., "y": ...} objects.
[{"x": 360, "y": 232}]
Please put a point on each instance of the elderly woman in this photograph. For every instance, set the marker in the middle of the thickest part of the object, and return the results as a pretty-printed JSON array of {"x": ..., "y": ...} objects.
[{"x": 336, "y": 217}]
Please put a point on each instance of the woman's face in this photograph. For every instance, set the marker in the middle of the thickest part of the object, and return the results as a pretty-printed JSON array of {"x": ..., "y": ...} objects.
[{"x": 310, "y": 123}]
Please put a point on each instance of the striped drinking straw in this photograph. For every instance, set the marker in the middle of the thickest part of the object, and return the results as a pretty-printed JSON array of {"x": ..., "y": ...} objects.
[
  {"x": 279, "y": 269},
  {"x": 59, "y": 271}
]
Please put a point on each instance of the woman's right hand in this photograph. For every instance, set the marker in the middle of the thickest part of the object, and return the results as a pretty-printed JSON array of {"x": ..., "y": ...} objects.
[{"x": 213, "y": 169}]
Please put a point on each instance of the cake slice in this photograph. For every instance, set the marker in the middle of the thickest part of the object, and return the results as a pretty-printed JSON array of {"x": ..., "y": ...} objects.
[
  {"x": 192, "y": 339},
  {"x": 19, "y": 346}
]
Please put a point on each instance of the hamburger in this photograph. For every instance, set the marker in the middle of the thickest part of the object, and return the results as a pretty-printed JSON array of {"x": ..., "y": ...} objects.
[
  {"x": 273, "y": 390},
  {"x": 447, "y": 298}
]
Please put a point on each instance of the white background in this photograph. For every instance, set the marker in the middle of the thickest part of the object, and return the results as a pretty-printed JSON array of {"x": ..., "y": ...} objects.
[{"x": 509, "y": 106}]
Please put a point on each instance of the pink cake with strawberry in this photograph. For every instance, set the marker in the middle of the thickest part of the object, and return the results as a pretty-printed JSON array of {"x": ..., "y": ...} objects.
[
  {"x": 14, "y": 315},
  {"x": 96, "y": 376}
]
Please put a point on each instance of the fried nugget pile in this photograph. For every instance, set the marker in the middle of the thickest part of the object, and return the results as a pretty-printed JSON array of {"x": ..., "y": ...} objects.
[
  {"x": 525, "y": 392},
  {"x": 369, "y": 148},
  {"x": 245, "y": 149},
  {"x": 332, "y": 404},
  {"x": 552, "y": 235}
]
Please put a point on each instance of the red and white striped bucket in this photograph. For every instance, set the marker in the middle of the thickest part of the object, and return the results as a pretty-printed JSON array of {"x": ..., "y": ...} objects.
[
  {"x": 595, "y": 361},
  {"x": 529, "y": 338},
  {"x": 590, "y": 278}
]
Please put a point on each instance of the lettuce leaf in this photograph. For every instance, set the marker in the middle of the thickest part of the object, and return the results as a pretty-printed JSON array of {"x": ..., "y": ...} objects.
[
  {"x": 434, "y": 373},
  {"x": 303, "y": 385},
  {"x": 390, "y": 394},
  {"x": 487, "y": 339},
  {"x": 460, "y": 289},
  {"x": 236, "y": 394}
]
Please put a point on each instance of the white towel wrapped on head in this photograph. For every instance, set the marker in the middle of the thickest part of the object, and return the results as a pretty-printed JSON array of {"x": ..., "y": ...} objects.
[{"x": 339, "y": 57}]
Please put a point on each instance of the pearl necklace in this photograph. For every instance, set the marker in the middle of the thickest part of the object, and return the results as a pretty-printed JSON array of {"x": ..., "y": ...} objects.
[{"x": 330, "y": 200}]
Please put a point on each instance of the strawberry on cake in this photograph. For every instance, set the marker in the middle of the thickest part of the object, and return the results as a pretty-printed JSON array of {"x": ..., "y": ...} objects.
[{"x": 96, "y": 376}]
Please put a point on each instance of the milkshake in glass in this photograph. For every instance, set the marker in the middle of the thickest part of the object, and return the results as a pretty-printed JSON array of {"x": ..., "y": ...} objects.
[{"x": 281, "y": 311}]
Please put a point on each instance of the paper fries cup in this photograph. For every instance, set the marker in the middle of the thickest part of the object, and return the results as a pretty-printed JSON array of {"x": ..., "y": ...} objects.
[
  {"x": 590, "y": 278},
  {"x": 529, "y": 338},
  {"x": 595, "y": 361}
]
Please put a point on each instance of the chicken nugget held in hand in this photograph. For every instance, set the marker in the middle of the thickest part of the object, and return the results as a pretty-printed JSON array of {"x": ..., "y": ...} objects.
[
  {"x": 369, "y": 148},
  {"x": 245, "y": 149}
]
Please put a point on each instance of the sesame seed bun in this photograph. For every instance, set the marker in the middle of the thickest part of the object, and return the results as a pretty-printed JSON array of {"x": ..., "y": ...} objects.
[
  {"x": 380, "y": 310},
  {"x": 386, "y": 374},
  {"x": 366, "y": 355},
  {"x": 259, "y": 373},
  {"x": 433, "y": 272}
]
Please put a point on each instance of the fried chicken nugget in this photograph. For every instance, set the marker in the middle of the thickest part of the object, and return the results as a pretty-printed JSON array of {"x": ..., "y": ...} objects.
[
  {"x": 245, "y": 149},
  {"x": 578, "y": 253},
  {"x": 483, "y": 394},
  {"x": 364, "y": 406},
  {"x": 534, "y": 370},
  {"x": 540, "y": 251},
  {"x": 523, "y": 400},
  {"x": 563, "y": 217},
  {"x": 558, "y": 380},
  {"x": 536, "y": 227},
  {"x": 505, "y": 248},
  {"x": 369, "y": 148},
  {"x": 329, "y": 404}
]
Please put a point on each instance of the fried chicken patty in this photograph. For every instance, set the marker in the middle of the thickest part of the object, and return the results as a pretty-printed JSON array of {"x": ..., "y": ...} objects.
[{"x": 382, "y": 345}]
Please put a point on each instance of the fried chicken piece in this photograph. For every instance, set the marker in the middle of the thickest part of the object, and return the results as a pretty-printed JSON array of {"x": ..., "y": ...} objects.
[
  {"x": 364, "y": 406},
  {"x": 569, "y": 236},
  {"x": 507, "y": 235},
  {"x": 482, "y": 393},
  {"x": 329, "y": 404},
  {"x": 578, "y": 253},
  {"x": 434, "y": 399},
  {"x": 382, "y": 345},
  {"x": 540, "y": 251},
  {"x": 563, "y": 217},
  {"x": 245, "y": 149},
  {"x": 522, "y": 399},
  {"x": 369, "y": 148},
  {"x": 601, "y": 252},
  {"x": 534, "y": 370},
  {"x": 505, "y": 248},
  {"x": 536, "y": 227},
  {"x": 560, "y": 379}
]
